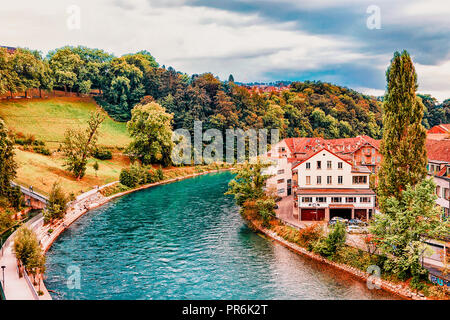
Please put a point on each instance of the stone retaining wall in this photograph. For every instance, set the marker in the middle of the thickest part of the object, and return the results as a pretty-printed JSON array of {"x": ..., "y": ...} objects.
[{"x": 399, "y": 289}]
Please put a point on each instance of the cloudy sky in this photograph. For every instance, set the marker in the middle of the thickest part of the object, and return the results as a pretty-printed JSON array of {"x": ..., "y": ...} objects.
[{"x": 255, "y": 40}]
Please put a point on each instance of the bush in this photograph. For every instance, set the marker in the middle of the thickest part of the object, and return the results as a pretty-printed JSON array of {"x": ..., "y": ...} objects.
[
  {"x": 42, "y": 150},
  {"x": 103, "y": 154},
  {"x": 265, "y": 210},
  {"x": 139, "y": 175},
  {"x": 328, "y": 246}
]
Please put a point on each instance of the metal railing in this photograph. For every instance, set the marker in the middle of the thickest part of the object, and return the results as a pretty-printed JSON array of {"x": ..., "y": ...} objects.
[{"x": 29, "y": 283}]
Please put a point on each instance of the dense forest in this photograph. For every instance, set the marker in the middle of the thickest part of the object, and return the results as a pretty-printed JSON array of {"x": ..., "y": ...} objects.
[{"x": 302, "y": 109}]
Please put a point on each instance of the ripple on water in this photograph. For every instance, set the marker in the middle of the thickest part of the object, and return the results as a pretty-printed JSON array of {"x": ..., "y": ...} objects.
[{"x": 185, "y": 240}]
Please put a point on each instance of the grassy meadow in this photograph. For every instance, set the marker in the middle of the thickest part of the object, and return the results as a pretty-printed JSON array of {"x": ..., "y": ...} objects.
[{"x": 47, "y": 120}]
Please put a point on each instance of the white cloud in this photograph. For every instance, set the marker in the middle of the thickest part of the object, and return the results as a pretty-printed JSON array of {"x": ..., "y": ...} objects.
[
  {"x": 201, "y": 39},
  {"x": 434, "y": 80}
]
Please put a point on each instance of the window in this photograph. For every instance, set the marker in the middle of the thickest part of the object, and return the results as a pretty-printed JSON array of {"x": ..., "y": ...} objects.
[
  {"x": 364, "y": 199},
  {"x": 308, "y": 166},
  {"x": 432, "y": 168},
  {"x": 339, "y": 165},
  {"x": 359, "y": 179},
  {"x": 280, "y": 180},
  {"x": 438, "y": 191},
  {"x": 306, "y": 199},
  {"x": 280, "y": 171},
  {"x": 319, "y": 165},
  {"x": 308, "y": 180},
  {"x": 446, "y": 194},
  {"x": 336, "y": 199},
  {"x": 379, "y": 159},
  {"x": 319, "y": 180},
  {"x": 340, "y": 179},
  {"x": 328, "y": 164},
  {"x": 329, "y": 179},
  {"x": 350, "y": 199},
  {"x": 321, "y": 199}
]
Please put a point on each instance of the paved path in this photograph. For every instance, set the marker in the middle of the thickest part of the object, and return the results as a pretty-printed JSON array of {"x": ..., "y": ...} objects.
[{"x": 15, "y": 288}]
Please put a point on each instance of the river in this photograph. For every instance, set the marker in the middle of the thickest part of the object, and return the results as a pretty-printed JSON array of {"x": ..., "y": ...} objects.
[{"x": 184, "y": 240}]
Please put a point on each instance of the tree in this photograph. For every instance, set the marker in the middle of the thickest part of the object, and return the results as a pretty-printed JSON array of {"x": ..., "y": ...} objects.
[
  {"x": 249, "y": 182},
  {"x": 151, "y": 129},
  {"x": 57, "y": 203},
  {"x": 79, "y": 145},
  {"x": 8, "y": 165},
  {"x": 25, "y": 245},
  {"x": 404, "y": 224},
  {"x": 28, "y": 67},
  {"x": 65, "y": 65},
  {"x": 403, "y": 144},
  {"x": 328, "y": 246},
  {"x": 231, "y": 78}
]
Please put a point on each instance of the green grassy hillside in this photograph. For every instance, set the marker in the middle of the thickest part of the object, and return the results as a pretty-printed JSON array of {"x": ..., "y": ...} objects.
[{"x": 47, "y": 120}]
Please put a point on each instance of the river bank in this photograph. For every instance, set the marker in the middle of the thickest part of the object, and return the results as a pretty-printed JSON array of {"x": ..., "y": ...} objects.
[
  {"x": 48, "y": 234},
  {"x": 400, "y": 289}
]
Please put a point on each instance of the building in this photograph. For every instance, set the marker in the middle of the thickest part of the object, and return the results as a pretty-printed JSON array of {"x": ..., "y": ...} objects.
[
  {"x": 359, "y": 151},
  {"x": 330, "y": 185},
  {"x": 439, "y": 132},
  {"x": 438, "y": 152}
]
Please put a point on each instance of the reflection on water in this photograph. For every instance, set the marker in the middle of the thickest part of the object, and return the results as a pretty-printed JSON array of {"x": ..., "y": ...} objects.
[{"x": 186, "y": 240}]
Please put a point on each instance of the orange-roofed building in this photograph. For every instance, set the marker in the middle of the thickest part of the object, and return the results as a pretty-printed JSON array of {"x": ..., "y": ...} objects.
[{"x": 438, "y": 152}]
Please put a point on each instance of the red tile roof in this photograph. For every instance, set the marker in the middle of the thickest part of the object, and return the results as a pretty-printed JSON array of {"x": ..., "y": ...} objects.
[
  {"x": 438, "y": 150},
  {"x": 440, "y": 128},
  {"x": 305, "y": 146}
]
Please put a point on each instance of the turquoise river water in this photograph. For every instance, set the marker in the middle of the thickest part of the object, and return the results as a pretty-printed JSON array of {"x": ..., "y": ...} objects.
[{"x": 184, "y": 240}]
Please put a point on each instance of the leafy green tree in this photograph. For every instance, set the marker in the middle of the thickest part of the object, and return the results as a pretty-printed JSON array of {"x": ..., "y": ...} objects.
[
  {"x": 28, "y": 67},
  {"x": 57, "y": 203},
  {"x": 403, "y": 226},
  {"x": 8, "y": 165},
  {"x": 26, "y": 245},
  {"x": 79, "y": 145},
  {"x": 335, "y": 240},
  {"x": 249, "y": 182},
  {"x": 151, "y": 129},
  {"x": 403, "y": 144},
  {"x": 65, "y": 65}
]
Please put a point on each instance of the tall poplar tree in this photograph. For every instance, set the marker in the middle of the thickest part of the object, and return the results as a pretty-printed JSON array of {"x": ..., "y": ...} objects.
[{"x": 403, "y": 144}]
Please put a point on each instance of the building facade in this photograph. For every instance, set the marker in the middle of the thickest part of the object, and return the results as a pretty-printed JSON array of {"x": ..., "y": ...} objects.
[{"x": 329, "y": 186}]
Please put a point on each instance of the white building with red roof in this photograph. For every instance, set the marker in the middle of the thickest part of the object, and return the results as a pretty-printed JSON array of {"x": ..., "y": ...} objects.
[
  {"x": 438, "y": 152},
  {"x": 330, "y": 185}
]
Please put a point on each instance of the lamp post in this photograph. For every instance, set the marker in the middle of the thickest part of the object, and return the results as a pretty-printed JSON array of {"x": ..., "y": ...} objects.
[{"x": 3, "y": 271}]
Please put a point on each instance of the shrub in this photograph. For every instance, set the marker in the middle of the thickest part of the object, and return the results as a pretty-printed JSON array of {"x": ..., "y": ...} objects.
[
  {"x": 328, "y": 246},
  {"x": 309, "y": 235},
  {"x": 139, "y": 175},
  {"x": 127, "y": 179},
  {"x": 42, "y": 150},
  {"x": 160, "y": 174},
  {"x": 103, "y": 154},
  {"x": 265, "y": 210}
]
